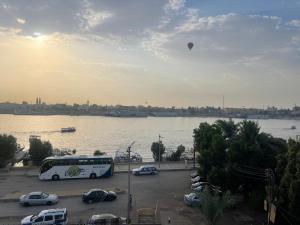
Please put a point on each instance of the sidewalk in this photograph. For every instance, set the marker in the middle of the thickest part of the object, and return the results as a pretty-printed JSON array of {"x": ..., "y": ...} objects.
[{"x": 33, "y": 171}]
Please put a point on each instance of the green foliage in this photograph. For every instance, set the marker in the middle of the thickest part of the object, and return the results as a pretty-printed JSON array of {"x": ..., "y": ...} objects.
[
  {"x": 98, "y": 152},
  {"x": 157, "y": 149},
  {"x": 8, "y": 148},
  {"x": 225, "y": 144},
  {"x": 289, "y": 189},
  {"x": 211, "y": 145},
  {"x": 213, "y": 205},
  {"x": 39, "y": 150},
  {"x": 175, "y": 156}
]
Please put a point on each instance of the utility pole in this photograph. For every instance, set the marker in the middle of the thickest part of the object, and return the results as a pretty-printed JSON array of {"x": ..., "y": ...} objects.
[
  {"x": 159, "y": 157},
  {"x": 129, "y": 194}
]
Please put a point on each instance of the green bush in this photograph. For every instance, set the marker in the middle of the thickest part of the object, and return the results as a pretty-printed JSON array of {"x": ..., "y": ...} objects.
[{"x": 175, "y": 156}]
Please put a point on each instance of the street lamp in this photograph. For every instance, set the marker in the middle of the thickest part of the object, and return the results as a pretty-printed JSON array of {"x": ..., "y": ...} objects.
[{"x": 129, "y": 173}]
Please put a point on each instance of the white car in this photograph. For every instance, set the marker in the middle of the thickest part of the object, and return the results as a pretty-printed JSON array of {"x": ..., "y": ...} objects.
[
  {"x": 38, "y": 198},
  {"x": 194, "y": 174},
  {"x": 145, "y": 170},
  {"x": 47, "y": 217},
  {"x": 192, "y": 199},
  {"x": 197, "y": 179},
  {"x": 197, "y": 184},
  {"x": 106, "y": 219}
]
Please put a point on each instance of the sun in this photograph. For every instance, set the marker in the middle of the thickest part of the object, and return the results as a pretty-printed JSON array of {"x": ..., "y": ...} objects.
[{"x": 39, "y": 36}]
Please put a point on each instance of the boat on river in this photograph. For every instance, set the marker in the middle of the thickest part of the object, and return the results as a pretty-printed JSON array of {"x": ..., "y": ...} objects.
[
  {"x": 122, "y": 157},
  {"x": 68, "y": 129}
]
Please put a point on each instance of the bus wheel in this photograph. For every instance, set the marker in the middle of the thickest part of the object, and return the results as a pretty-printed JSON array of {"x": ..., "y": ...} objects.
[
  {"x": 93, "y": 176},
  {"x": 55, "y": 177}
]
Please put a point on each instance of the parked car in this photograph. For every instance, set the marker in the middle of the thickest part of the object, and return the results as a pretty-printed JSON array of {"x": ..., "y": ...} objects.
[
  {"x": 197, "y": 179},
  {"x": 145, "y": 170},
  {"x": 106, "y": 219},
  {"x": 47, "y": 217},
  {"x": 98, "y": 195},
  {"x": 197, "y": 184},
  {"x": 192, "y": 199},
  {"x": 194, "y": 174},
  {"x": 38, "y": 198}
]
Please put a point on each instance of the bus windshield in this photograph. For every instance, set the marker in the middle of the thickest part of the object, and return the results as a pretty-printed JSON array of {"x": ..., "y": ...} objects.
[{"x": 47, "y": 165}]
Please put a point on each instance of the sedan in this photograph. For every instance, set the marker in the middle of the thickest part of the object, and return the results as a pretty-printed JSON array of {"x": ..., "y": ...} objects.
[
  {"x": 197, "y": 179},
  {"x": 98, "y": 195},
  {"x": 192, "y": 199},
  {"x": 38, "y": 198},
  {"x": 197, "y": 184}
]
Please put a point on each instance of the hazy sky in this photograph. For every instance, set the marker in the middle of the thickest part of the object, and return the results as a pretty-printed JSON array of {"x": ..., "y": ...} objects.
[{"x": 135, "y": 51}]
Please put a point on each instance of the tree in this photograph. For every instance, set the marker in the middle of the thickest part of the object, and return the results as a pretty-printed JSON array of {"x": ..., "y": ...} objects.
[
  {"x": 175, "y": 156},
  {"x": 8, "y": 148},
  {"x": 158, "y": 149},
  {"x": 39, "y": 150},
  {"x": 289, "y": 189},
  {"x": 211, "y": 145},
  {"x": 213, "y": 205},
  {"x": 98, "y": 152}
]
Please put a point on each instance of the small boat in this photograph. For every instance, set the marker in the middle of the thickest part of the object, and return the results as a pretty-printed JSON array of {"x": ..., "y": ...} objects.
[
  {"x": 122, "y": 157},
  {"x": 68, "y": 129},
  {"x": 293, "y": 127},
  {"x": 33, "y": 137}
]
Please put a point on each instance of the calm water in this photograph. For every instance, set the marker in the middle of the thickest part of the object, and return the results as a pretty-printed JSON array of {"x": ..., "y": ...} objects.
[{"x": 110, "y": 134}]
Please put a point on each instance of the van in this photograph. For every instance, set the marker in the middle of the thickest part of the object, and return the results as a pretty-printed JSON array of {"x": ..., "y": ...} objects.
[{"x": 47, "y": 217}]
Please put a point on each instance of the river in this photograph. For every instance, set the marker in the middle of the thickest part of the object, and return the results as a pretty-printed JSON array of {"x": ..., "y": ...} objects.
[{"x": 109, "y": 134}]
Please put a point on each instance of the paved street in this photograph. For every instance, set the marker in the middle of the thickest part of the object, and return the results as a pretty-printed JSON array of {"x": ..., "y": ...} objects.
[{"x": 166, "y": 188}]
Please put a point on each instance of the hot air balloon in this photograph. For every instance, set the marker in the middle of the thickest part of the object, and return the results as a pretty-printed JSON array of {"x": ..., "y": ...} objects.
[{"x": 190, "y": 45}]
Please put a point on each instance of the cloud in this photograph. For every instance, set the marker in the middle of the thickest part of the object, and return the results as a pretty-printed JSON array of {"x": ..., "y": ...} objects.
[
  {"x": 21, "y": 21},
  {"x": 175, "y": 4},
  {"x": 295, "y": 23}
]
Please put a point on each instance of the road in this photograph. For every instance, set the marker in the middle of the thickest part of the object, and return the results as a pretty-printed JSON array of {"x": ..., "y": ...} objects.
[{"x": 167, "y": 189}]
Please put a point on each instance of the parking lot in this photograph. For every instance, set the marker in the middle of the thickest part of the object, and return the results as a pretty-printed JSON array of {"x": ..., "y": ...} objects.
[{"x": 166, "y": 189}]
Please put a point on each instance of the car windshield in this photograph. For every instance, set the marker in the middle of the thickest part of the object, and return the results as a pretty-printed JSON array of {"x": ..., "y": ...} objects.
[
  {"x": 33, "y": 217},
  {"x": 45, "y": 195}
]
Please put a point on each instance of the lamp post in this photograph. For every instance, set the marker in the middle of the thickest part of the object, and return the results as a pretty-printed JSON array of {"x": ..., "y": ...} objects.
[{"x": 129, "y": 195}]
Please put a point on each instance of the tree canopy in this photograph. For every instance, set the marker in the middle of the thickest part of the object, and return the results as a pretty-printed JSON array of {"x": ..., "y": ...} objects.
[
  {"x": 157, "y": 149},
  {"x": 39, "y": 150},
  {"x": 8, "y": 148}
]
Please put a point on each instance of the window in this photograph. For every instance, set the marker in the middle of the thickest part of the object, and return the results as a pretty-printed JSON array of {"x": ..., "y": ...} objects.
[
  {"x": 58, "y": 217},
  {"x": 39, "y": 219},
  {"x": 48, "y": 218},
  {"x": 34, "y": 197}
]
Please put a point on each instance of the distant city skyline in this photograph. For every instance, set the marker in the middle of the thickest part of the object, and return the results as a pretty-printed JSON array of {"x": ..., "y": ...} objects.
[{"x": 135, "y": 51}]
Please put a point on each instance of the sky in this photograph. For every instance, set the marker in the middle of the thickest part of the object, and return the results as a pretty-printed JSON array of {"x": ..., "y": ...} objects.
[{"x": 134, "y": 52}]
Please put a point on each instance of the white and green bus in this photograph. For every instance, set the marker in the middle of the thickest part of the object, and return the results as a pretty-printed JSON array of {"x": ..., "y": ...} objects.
[{"x": 70, "y": 167}]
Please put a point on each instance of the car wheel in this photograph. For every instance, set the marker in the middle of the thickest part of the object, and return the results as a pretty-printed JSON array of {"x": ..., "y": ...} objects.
[
  {"x": 93, "y": 176},
  {"x": 55, "y": 177},
  {"x": 26, "y": 204},
  {"x": 49, "y": 203},
  {"x": 90, "y": 201}
]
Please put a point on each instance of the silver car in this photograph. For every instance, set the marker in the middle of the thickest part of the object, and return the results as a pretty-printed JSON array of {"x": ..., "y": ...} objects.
[
  {"x": 192, "y": 199},
  {"x": 38, "y": 198}
]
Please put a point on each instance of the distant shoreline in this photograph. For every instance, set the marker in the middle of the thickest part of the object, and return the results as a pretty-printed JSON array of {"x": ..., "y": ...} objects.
[{"x": 153, "y": 116}]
